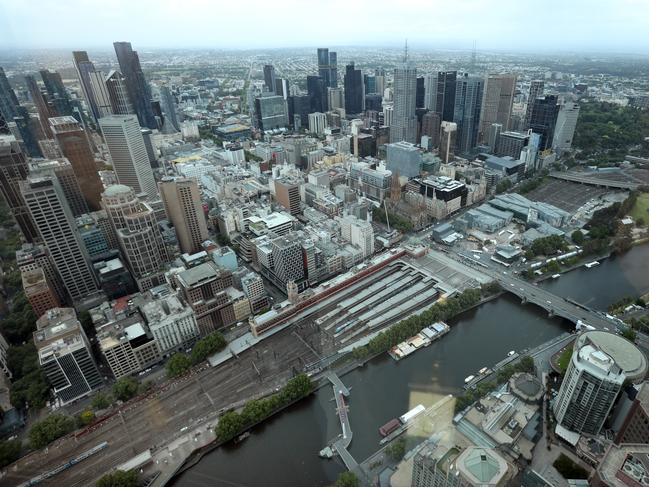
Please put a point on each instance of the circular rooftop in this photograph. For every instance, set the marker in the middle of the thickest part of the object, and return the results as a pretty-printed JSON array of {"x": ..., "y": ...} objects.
[
  {"x": 117, "y": 189},
  {"x": 625, "y": 354},
  {"x": 526, "y": 386}
]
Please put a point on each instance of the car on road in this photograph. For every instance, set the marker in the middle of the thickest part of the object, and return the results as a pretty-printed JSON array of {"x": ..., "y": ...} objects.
[{"x": 549, "y": 302}]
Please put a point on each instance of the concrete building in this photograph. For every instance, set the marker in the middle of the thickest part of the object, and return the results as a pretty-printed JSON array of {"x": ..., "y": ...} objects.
[
  {"x": 182, "y": 202},
  {"x": 404, "y": 158},
  {"x": 172, "y": 323},
  {"x": 497, "y": 102},
  {"x": 35, "y": 256},
  {"x": 75, "y": 145},
  {"x": 317, "y": 123},
  {"x": 62, "y": 170},
  {"x": 359, "y": 233},
  {"x": 203, "y": 287},
  {"x": 635, "y": 425},
  {"x": 430, "y": 126},
  {"x": 625, "y": 465},
  {"x": 57, "y": 229},
  {"x": 447, "y": 141},
  {"x": 38, "y": 292},
  {"x": 226, "y": 258},
  {"x": 288, "y": 263},
  {"x": 448, "y": 467},
  {"x": 439, "y": 195},
  {"x": 138, "y": 235},
  {"x": 128, "y": 153},
  {"x": 374, "y": 183},
  {"x": 253, "y": 287},
  {"x": 287, "y": 194},
  {"x": 565, "y": 127},
  {"x": 13, "y": 170},
  {"x": 64, "y": 354},
  {"x": 599, "y": 365},
  {"x": 511, "y": 144},
  {"x": 404, "y": 121}
]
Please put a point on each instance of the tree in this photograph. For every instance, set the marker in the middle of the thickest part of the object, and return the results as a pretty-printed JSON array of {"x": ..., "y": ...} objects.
[
  {"x": 577, "y": 237},
  {"x": 178, "y": 364},
  {"x": 125, "y": 388},
  {"x": 86, "y": 417},
  {"x": 9, "y": 452},
  {"x": 503, "y": 185},
  {"x": 119, "y": 479},
  {"x": 630, "y": 334},
  {"x": 397, "y": 449},
  {"x": 101, "y": 401},
  {"x": 51, "y": 428},
  {"x": 569, "y": 469},
  {"x": 346, "y": 479},
  {"x": 215, "y": 342}
]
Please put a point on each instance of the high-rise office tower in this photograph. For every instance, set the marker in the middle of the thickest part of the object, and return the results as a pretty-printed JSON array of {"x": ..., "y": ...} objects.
[
  {"x": 430, "y": 127},
  {"x": 328, "y": 67},
  {"x": 138, "y": 234},
  {"x": 536, "y": 91},
  {"x": 271, "y": 112},
  {"x": 282, "y": 87},
  {"x": 430, "y": 92},
  {"x": 58, "y": 230},
  {"x": 65, "y": 355},
  {"x": 379, "y": 80},
  {"x": 287, "y": 194},
  {"x": 136, "y": 84},
  {"x": 123, "y": 137},
  {"x": 84, "y": 69},
  {"x": 543, "y": 119},
  {"x": 497, "y": 102},
  {"x": 8, "y": 102},
  {"x": 168, "y": 105},
  {"x": 468, "y": 102},
  {"x": 270, "y": 81},
  {"x": 448, "y": 132},
  {"x": 62, "y": 170},
  {"x": 182, "y": 201},
  {"x": 404, "y": 120},
  {"x": 565, "y": 127},
  {"x": 41, "y": 296},
  {"x": 120, "y": 101},
  {"x": 421, "y": 92},
  {"x": 100, "y": 93},
  {"x": 75, "y": 146},
  {"x": 57, "y": 94},
  {"x": 369, "y": 84},
  {"x": 601, "y": 362},
  {"x": 335, "y": 98},
  {"x": 14, "y": 170},
  {"x": 353, "y": 89},
  {"x": 43, "y": 109},
  {"x": 445, "y": 103},
  {"x": 317, "y": 93}
]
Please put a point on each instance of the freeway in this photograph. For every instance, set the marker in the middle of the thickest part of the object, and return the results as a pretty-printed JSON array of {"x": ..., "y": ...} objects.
[{"x": 594, "y": 180}]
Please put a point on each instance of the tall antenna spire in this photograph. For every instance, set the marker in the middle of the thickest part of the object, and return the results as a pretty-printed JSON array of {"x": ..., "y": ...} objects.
[
  {"x": 405, "y": 53},
  {"x": 473, "y": 56}
]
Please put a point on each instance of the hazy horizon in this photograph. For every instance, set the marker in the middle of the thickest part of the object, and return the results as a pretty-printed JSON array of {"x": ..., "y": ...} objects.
[{"x": 509, "y": 25}]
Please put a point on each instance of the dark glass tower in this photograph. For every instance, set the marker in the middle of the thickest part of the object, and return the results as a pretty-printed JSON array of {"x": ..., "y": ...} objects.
[
  {"x": 468, "y": 104},
  {"x": 84, "y": 67},
  {"x": 57, "y": 94},
  {"x": 421, "y": 91},
  {"x": 353, "y": 89},
  {"x": 446, "y": 81},
  {"x": 328, "y": 67},
  {"x": 8, "y": 102},
  {"x": 136, "y": 84},
  {"x": 543, "y": 119},
  {"x": 317, "y": 94},
  {"x": 269, "y": 78}
]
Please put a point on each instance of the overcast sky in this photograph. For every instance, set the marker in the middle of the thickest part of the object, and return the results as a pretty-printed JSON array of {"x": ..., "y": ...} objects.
[{"x": 542, "y": 25}]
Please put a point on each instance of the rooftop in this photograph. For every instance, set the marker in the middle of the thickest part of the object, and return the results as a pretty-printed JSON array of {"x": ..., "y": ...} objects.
[{"x": 616, "y": 348}]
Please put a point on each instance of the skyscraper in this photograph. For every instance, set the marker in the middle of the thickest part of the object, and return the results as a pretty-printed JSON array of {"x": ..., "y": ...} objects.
[
  {"x": 447, "y": 141},
  {"x": 44, "y": 110},
  {"x": 430, "y": 92},
  {"x": 76, "y": 148},
  {"x": 421, "y": 92},
  {"x": 100, "y": 93},
  {"x": 271, "y": 112},
  {"x": 353, "y": 89},
  {"x": 62, "y": 170},
  {"x": 57, "y": 94},
  {"x": 168, "y": 105},
  {"x": 468, "y": 102},
  {"x": 118, "y": 94},
  {"x": 13, "y": 171},
  {"x": 565, "y": 127},
  {"x": 57, "y": 229},
  {"x": 136, "y": 84},
  {"x": 8, "y": 102},
  {"x": 497, "y": 102},
  {"x": 84, "y": 69},
  {"x": 317, "y": 92},
  {"x": 328, "y": 67},
  {"x": 128, "y": 153},
  {"x": 543, "y": 119},
  {"x": 138, "y": 234},
  {"x": 404, "y": 120},
  {"x": 182, "y": 201},
  {"x": 536, "y": 91},
  {"x": 599, "y": 365},
  {"x": 270, "y": 81},
  {"x": 445, "y": 103}
]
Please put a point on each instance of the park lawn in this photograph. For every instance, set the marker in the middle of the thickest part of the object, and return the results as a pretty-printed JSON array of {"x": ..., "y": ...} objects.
[
  {"x": 641, "y": 208},
  {"x": 564, "y": 359}
]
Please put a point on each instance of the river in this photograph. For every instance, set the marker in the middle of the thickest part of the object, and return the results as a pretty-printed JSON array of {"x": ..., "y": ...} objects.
[{"x": 283, "y": 452}]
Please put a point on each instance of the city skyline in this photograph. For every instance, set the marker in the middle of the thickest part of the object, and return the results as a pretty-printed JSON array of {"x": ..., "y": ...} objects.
[{"x": 425, "y": 24}]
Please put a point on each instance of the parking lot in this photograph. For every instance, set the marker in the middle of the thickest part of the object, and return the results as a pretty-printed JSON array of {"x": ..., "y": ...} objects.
[{"x": 565, "y": 195}]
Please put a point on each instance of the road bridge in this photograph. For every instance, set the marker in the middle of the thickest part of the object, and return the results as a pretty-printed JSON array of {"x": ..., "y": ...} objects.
[{"x": 602, "y": 181}]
